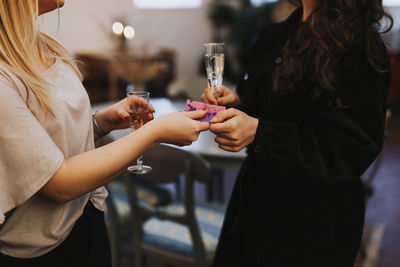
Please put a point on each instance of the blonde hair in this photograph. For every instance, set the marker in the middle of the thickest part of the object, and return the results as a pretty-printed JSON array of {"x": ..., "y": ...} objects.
[{"x": 22, "y": 45}]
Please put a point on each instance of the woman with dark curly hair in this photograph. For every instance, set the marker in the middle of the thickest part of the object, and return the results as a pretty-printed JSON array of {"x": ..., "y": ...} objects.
[{"x": 311, "y": 112}]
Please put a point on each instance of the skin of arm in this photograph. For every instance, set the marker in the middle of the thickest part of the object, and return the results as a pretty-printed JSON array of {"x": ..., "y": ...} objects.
[{"x": 87, "y": 171}]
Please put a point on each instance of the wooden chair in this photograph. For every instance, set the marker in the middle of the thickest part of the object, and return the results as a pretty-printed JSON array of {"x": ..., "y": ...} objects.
[
  {"x": 112, "y": 223},
  {"x": 117, "y": 213},
  {"x": 177, "y": 234}
]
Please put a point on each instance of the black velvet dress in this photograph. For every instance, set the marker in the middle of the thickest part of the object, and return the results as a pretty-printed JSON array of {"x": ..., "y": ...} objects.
[{"x": 299, "y": 199}]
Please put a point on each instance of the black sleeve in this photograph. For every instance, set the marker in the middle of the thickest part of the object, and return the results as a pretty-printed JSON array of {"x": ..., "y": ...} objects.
[
  {"x": 338, "y": 149},
  {"x": 336, "y": 145}
]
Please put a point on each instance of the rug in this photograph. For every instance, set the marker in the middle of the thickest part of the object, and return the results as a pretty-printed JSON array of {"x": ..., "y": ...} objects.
[
  {"x": 371, "y": 243},
  {"x": 371, "y": 246}
]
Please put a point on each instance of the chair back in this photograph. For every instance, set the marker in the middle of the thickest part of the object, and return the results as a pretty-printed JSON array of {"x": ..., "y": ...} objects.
[{"x": 168, "y": 164}]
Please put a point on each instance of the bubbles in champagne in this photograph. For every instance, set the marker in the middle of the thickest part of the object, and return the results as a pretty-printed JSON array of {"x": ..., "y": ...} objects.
[
  {"x": 138, "y": 120},
  {"x": 215, "y": 69}
]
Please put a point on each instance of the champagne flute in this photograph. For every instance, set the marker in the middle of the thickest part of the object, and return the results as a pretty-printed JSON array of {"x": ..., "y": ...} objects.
[
  {"x": 138, "y": 103},
  {"x": 214, "y": 59}
]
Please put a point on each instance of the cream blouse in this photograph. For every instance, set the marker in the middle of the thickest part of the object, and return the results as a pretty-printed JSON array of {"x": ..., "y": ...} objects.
[{"x": 33, "y": 146}]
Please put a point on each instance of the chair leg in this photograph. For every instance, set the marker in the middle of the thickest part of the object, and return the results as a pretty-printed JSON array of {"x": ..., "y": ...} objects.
[{"x": 138, "y": 260}]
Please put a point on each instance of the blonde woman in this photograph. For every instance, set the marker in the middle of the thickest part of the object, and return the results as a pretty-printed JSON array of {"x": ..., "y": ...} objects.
[{"x": 51, "y": 177}]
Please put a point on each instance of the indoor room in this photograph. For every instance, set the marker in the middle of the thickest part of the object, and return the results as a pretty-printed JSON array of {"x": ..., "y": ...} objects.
[{"x": 211, "y": 133}]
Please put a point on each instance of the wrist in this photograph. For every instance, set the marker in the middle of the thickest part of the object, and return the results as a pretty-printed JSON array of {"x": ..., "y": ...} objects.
[
  {"x": 254, "y": 126},
  {"x": 153, "y": 132},
  {"x": 98, "y": 128}
]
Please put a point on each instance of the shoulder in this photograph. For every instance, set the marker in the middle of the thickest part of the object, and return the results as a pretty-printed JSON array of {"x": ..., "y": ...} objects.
[
  {"x": 10, "y": 84},
  {"x": 276, "y": 30},
  {"x": 382, "y": 53},
  {"x": 6, "y": 75}
]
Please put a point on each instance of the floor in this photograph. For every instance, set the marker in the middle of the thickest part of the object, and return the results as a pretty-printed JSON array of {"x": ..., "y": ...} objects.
[{"x": 383, "y": 207}]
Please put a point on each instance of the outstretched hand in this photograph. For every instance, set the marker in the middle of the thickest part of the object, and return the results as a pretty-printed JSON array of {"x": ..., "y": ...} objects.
[{"x": 180, "y": 128}]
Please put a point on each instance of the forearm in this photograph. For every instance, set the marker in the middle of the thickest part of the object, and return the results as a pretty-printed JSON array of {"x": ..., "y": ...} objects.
[{"x": 87, "y": 171}]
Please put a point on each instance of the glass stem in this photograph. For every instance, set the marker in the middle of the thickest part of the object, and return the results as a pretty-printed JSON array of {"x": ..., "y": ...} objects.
[{"x": 139, "y": 162}]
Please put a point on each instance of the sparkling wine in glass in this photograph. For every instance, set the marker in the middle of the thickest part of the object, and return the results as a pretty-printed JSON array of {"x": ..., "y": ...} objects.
[
  {"x": 214, "y": 59},
  {"x": 138, "y": 102}
]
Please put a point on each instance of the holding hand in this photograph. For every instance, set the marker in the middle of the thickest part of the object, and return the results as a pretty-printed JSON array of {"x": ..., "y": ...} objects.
[
  {"x": 179, "y": 128},
  {"x": 226, "y": 97},
  {"x": 234, "y": 129},
  {"x": 117, "y": 116}
]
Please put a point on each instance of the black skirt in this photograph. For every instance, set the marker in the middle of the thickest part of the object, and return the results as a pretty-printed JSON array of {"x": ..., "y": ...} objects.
[{"x": 86, "y": 245}]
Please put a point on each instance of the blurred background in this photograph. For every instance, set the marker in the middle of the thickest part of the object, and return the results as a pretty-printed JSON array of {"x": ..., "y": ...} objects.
[
  {"x": 173, "y": 31},
  {"x": 158, "y": 45}
]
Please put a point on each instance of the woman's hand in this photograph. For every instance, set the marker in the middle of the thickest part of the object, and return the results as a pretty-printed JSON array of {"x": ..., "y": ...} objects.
[
  {"x": 234, "y": 129},
  {"x": 226, "y": 97},
  {"x": 179, "y": 128},
  {"x": 117, "y": 116}
]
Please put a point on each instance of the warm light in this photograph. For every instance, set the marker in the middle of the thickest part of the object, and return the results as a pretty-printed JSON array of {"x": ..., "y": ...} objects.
[
  {"x": 117, "y": 28},
  {"x": 261, "y": 2},
  {"x": 391, "y": 2},
  {"x": 129, "y": 32},
  {"x": 167, "y": 4}
]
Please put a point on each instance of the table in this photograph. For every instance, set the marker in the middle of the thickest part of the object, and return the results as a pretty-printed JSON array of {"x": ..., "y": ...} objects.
[
  {"x": 107, "y": 72},
  {"x": 204, "y": 146}
]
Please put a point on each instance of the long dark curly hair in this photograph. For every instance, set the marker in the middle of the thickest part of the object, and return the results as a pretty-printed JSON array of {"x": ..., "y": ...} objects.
[{"x": 334, "y": 31}]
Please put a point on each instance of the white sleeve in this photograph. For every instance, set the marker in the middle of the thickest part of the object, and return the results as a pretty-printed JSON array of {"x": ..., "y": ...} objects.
[{"x": 28, "y": 155}]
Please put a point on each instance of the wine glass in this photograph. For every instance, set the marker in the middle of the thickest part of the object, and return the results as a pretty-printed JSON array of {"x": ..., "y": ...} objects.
[
  {"x": 214, "y": 59},
  {"x": 138, "y": 103}
]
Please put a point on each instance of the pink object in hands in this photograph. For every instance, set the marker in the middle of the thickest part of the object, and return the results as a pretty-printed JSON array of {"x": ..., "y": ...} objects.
[{"x": 212, "y": 110}]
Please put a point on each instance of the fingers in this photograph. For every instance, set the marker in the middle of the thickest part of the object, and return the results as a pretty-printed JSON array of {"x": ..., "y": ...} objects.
[
  {"x": 136, "y": 102},
  {"x": 224, "y": 100},
  {"x": 124, "y": 115},
  {"x": 229, "y": 148},
  {"x": 150, "y": 116},
  {"x": 227, "y": 136},
  {"x": 151, "y": 108},
  {"x": 229, "y": 144},
  {"x": 225, "y": 115},
  {"x": 197, "y": 114},
  {"x": 208, "y": 96},
  {"x": 219, "y": 128},
  {"x": 204, "y": 126}
]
